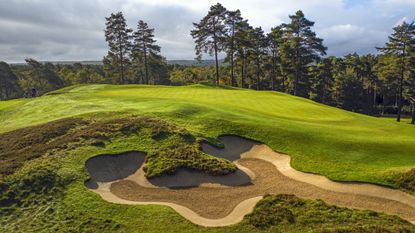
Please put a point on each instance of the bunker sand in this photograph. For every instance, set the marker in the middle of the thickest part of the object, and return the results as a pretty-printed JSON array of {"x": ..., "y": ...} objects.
[{"x": 270, "y": 173}]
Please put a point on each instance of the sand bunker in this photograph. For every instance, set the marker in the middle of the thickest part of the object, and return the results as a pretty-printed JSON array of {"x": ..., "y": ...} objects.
[
  {"x": 107, "y": 168},
  {"x": 186, "y": 178},
  {"x": 221, "y": 206},
  {"x": 112, "y": 167},
  {"x": 233, "y": 148}
]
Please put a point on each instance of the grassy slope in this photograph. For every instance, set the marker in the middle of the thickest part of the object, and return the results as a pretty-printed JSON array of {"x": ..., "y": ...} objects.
[
  {"x": 320, "y": 138},
  {"x": 77, "y": 209},
  {"x": 336, "y": 143}
]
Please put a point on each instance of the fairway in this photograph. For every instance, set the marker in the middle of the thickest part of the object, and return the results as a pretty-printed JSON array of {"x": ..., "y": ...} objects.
[
  {"x": 335, "y": 143},
  {"x": 164, "y": 117}
]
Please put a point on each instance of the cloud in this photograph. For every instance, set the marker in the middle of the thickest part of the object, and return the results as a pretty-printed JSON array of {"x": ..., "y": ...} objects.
[
  {"x": 346, "y": 38},
  {"x": 73, "y": 30}
]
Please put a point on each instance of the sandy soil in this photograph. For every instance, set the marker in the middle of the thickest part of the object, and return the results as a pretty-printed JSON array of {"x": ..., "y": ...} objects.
[{"x": 270, "y": 173}]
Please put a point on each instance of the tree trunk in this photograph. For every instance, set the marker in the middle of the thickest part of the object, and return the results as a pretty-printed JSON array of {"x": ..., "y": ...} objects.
[
  {"x": 233, "y": 83},
  {"x": 145, "y": 64},
  {"x": 283, "y": 82},
  {"x": 273, "y": 72},
  {"x": 257, "y": 73},
  {"x": 217, "y": 65},
  {"x": 215, "y": 43},
  {"x": 296, "y": 79},
  {"x": 121, "y": 60},
  {"x": 297, "y": 64},
  {"x": 243, "y": 73},
  {"x": 413, "y": 114},
  {"x": 400, "y": 101}
]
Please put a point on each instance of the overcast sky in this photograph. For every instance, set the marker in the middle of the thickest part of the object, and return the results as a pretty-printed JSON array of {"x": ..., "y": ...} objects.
[{"x": 74, "y": 30}]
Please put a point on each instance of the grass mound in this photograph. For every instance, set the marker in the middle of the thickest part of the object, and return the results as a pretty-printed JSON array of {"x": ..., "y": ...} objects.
[
  {"x": 290, "y": 212},
  {"x": 181, "y": 150},
  {"x": 171, "y": 157}
]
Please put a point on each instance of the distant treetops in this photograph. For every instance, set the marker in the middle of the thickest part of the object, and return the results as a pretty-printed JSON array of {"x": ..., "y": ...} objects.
[{"x": 133, "y": 56}]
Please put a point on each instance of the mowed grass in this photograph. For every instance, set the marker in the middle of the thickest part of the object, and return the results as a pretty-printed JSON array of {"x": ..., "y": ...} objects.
[{"x": 320, "y": 139}]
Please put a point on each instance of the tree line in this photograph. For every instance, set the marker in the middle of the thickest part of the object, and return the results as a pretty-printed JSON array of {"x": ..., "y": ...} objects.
[
  {"x": 133, "y": 57},
  {"x": 36, "y": 78},
  {"x": 291, "y": 58}
]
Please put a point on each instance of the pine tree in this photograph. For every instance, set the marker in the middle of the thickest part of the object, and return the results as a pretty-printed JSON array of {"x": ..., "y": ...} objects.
[
  {"x": 233, "y": 20},
  {"x": 210, "y": 34},
  {"x": 145, "y": 47},
  {"x": 305, "y": 47},
  {"x": 387, "y": 71},
  {"x": 401, "y": 44},
  {"x": 322, "y": 81},
  {"x": 257, "y": 51},
  {"x": 242, "y": 45},
  {"x": 274, "y": 40},
  {"x": 118, "y": 36}
]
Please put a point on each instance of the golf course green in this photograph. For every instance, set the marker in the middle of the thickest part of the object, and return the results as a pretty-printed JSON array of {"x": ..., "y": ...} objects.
[
  {"x": 341, "y": 145},
  {"x": 320, "y": 139}
]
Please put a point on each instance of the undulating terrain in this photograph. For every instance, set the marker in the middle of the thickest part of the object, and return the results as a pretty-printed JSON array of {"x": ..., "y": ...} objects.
[{"x": 45, "y": 142}]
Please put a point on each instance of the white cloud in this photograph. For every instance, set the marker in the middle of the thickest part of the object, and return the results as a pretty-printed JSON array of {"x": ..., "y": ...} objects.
[
  {"x": 343, "y": 39},
  {"x": 73, "y": 30}
]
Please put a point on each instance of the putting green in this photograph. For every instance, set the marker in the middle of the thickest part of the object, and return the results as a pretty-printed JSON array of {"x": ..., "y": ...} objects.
[{"x": 320, "y": 139}]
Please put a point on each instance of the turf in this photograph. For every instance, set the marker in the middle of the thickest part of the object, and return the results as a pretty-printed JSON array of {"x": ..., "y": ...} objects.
[
  {"x": 47, "y": 194},
  {"x": 320, "y": 139}
]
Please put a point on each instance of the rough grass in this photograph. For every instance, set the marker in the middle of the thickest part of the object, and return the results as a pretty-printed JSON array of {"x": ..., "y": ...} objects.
[
  {"x": 276, "y": 211},
  {"x": 169, "y": 158},
  {"x": 320, "y": 139},
  {"x": 47, "y": 193},
  {"x": 406, "y": 181},
  {"x": 21, "y": 145}
]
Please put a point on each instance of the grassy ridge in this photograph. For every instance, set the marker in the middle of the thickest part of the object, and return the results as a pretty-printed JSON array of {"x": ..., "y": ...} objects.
[{"x": 320, "y": 139}]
